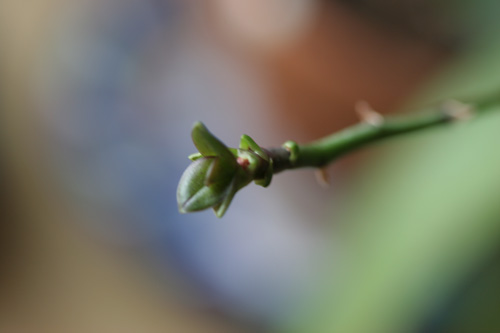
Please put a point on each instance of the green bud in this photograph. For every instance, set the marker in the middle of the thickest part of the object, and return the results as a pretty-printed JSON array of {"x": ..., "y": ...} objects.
[{"x": 218, "y": 172}]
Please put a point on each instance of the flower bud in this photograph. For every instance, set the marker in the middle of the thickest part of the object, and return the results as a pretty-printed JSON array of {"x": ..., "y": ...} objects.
[
  {"x": 197, "y": 191},
  {"x": 218, "y": 172}
]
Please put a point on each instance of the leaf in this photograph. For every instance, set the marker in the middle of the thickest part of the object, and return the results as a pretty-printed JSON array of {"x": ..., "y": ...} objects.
[
  {"x": 221, "y": 208},
  {"x": 246, "y": 142},
  {"x": 193, "y": 194},
  {"x": 208, "y": 145}
]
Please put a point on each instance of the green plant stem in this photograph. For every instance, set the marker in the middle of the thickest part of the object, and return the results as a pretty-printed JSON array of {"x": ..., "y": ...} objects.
[
  {"x": 319, "y": 153},
  {"x": 218, "y": 172}
]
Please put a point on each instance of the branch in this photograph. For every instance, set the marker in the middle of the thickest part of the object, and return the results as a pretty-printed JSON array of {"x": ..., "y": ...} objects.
[{"x": 218, "y": 172}]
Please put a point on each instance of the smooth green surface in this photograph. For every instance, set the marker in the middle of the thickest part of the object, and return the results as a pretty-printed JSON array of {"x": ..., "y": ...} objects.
[
  {"x": 425, "y": 218},
  {"x": 412, "y": 236}
]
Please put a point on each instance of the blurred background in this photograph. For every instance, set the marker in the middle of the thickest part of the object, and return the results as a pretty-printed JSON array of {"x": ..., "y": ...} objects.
[{"x": 97, "y": 100}]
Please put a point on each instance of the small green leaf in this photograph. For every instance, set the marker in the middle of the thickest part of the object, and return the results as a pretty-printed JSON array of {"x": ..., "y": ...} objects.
[
  {"x": 208, "y": 145},
  {"x": 220, "y": 172},
  {"x": 246, "y": 142},
  {"x": 193, "y": 194},
  {"x": 195, "y": 156},
  {"x": 221, "y": 208}
]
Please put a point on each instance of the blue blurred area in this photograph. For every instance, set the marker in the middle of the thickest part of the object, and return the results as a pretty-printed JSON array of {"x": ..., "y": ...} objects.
[{"x": 121, "y": 84}]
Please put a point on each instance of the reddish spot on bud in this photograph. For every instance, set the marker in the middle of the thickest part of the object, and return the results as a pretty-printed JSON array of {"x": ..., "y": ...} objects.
[{"x": 243, "y": 162}]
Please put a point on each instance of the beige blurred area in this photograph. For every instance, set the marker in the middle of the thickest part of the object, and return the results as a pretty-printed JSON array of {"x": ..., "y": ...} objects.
[{"x": 54, "y": 277}]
